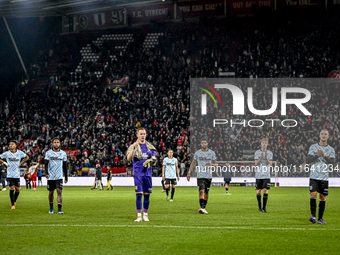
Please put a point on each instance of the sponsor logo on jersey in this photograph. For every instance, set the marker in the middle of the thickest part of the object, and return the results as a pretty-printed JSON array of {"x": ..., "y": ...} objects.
[{"x": 55, "y": 158}]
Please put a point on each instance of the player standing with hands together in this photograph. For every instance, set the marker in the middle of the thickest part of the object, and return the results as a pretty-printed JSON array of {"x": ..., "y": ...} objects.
[
  {"x": 55, "y": 165},
  {"x": 205, "y": 159},
  {"x": 263, "y": 161},
  {"x": 322, "y": 157},
  {"x": 143, "y": 155},
  {"x": 170, "y": 168}
]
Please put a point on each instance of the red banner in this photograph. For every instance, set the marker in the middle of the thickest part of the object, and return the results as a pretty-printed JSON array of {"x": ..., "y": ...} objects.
[
  {"x": 115, "y": 170},
  {"x": 334, "y": 75},
  {"x": 104, "y": 19},
  {"x": 144, "y": 14},
  {"x": 248, "y": 7},
  {"x": 194, "y": 9},
  {"x": 122, "y": 81},
  {"x": 72, "y": 153}
]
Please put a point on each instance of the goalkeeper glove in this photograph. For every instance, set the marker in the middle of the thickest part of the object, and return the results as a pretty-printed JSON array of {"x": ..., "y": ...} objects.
[{"x": 148, "y": 163}]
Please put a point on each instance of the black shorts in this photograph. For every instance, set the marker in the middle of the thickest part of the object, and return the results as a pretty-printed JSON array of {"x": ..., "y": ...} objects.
[
  {"x": 39, "y": 178},
  {"x": 262, "y": 184},
  {"x": 204, "y": 184},
  {"x": 171, "y": 181},
  {"x": 13, "y": 182},
  {"x": 227, "y": 180},
  {"x": 318, "y": 186},
  {"x": 54, "y": 184}
]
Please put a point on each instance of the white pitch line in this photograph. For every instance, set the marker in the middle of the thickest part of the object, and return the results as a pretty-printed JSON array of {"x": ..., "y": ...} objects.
[{"x": 156, "y": 226}]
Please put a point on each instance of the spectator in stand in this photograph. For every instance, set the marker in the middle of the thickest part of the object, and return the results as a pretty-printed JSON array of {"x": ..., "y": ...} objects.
[{"x": 3, "y": 173}]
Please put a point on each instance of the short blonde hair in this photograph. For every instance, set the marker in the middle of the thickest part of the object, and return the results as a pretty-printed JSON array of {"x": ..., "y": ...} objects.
[
  {"x": 141, "y": 128},
  {"x": 264, "y": 140}
]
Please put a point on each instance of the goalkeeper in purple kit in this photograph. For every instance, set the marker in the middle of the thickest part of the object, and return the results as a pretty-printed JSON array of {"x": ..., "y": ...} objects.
[{"x": 143, "y": 155}]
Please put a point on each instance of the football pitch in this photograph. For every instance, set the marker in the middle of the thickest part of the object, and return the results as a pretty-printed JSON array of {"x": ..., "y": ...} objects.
[{"x": 102, "y": 222}]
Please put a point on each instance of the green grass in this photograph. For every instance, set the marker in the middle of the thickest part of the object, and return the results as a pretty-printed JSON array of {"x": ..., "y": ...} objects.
[{"x": 102, "y": 222}]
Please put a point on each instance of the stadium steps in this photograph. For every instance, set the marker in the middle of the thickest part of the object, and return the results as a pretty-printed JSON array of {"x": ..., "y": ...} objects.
[
  {"x": 151, "y": 40},
  {"x": 91, "y": 52}
]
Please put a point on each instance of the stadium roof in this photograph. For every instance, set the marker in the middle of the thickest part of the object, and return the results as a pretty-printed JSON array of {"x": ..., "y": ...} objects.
[{"x": 42, "y": 8}]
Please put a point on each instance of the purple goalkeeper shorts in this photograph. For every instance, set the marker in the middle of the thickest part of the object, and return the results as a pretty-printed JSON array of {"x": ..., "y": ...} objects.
[{"x": 143, "y": 184}]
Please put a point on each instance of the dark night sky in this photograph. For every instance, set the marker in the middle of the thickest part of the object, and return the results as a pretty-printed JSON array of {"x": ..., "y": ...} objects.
[{"x": 30, "y": 34}]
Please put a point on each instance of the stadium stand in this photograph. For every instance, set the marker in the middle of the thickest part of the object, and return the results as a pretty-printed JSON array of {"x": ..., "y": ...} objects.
[{"x": 66, "y": 97}]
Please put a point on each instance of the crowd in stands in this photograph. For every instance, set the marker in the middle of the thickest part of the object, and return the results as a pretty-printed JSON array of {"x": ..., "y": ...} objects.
[{"x": 101, "y": 122}]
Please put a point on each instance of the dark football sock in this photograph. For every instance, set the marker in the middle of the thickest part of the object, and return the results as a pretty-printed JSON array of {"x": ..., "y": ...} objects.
[
  {"x": 226, "y": 189},
  {"x": 322, "y": 205},
  {"x": 16, "y": 194},
  {"x": 139, "y": 202},
  {"x": 172, "y": 193},
  {"x": 167, "y": 192},
  {"x": 163, "y": 185},
  {"x": 11, "y": 195},
  {"x": 313, "y": 206},
  {"x": 146, "y": 203},
  {"x": 202, "y": 203},
  {"x": 59, "y": 207},
  {"x": 265, "y": 199},
  {"x": 51, "y": 205},
  {"x": 205, "y": 203},
  {"x": 259, "y": 200}
]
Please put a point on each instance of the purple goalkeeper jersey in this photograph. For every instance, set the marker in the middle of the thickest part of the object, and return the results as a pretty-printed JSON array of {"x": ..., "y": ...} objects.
[{"x": 138, "y": 168}]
